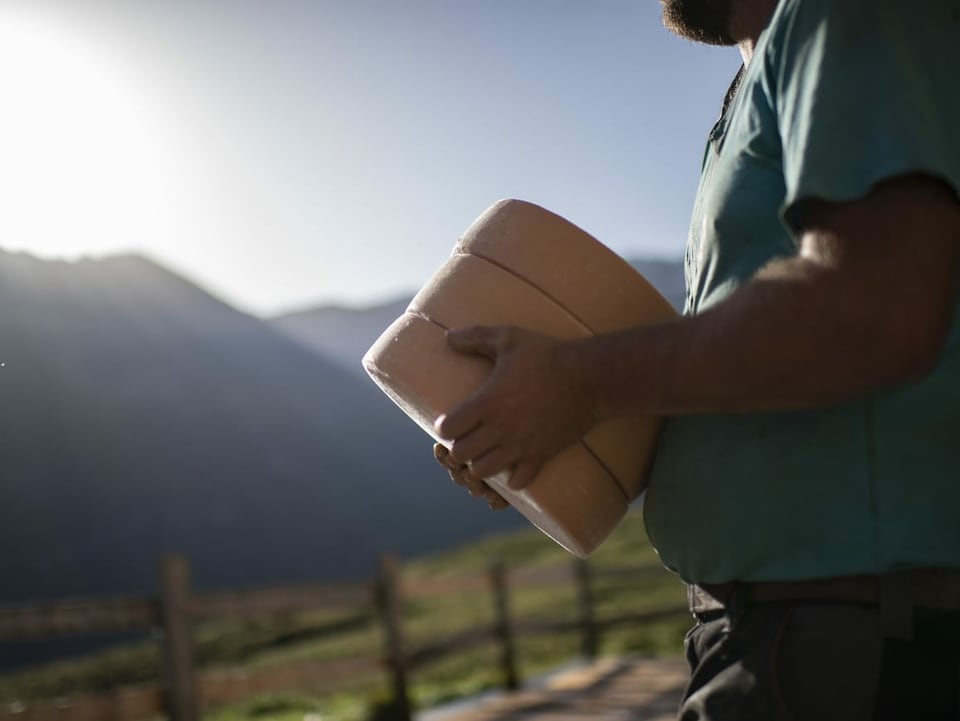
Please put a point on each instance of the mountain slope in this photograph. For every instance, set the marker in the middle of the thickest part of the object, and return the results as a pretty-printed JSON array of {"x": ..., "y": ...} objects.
[{"x": 140, "y": 415}]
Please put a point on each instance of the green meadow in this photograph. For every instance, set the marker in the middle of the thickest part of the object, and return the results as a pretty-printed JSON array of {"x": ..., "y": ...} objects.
[{"x": 320, "y": 636}]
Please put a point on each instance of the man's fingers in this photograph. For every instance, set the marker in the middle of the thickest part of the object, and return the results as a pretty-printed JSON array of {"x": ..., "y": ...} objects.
[
  {"x": 491, "y": 463},
  {"x": 477, "y": 340},
  {"x": 454, "y": 469},
  {"x": 459, "y": 472},
  {"x": 443, "y": 457},
  {"x": 458, "y": 422},
  {"x": 496, "y": 501},
  {"x": 487, "y": 341},
  {"x": 477, "y": 489},
  {"x": 474, "y": 445},
  {"x": 463, "y": 476}
]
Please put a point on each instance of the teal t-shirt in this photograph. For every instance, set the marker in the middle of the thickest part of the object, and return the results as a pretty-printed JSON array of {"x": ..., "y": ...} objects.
[{"x": 840, "y": 95}]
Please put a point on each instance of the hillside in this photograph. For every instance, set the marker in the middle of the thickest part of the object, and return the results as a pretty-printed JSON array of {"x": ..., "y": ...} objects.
[{"x": 141, "y": 415}]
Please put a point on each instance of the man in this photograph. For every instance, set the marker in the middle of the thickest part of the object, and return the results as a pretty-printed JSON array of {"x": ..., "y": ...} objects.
[{"x": 807, "y": 484}]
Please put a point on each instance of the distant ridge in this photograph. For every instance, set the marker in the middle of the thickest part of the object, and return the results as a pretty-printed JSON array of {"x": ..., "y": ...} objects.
[{"x": 341, "y": 334}]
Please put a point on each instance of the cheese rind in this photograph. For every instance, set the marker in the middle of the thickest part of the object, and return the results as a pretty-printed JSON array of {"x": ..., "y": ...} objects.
[{"x": 566, "y": 263}]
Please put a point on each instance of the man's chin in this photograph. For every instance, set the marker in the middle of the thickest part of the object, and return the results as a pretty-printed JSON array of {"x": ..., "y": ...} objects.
[{"x": 703, "y": 21}]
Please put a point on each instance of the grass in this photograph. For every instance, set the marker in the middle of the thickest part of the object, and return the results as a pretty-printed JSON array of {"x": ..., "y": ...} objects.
[{"x": 318, "y": 636}]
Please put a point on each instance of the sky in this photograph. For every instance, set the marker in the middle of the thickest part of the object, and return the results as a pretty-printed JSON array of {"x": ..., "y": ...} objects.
[{"x": 291, "y": 153}]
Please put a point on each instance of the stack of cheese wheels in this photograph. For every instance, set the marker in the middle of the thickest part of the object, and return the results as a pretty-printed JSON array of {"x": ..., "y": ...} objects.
[{"x": 524, "y": 266}]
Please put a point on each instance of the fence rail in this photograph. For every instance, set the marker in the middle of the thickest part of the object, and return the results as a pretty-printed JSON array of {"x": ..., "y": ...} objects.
[
  {"x": 18, "y": 623},
  {"x": 288, "y": 599},
  {"x": 183, "y": 692}
]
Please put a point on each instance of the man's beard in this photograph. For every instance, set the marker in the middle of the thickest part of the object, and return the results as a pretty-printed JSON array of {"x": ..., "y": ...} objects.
[{"x": 704, "y": 21}]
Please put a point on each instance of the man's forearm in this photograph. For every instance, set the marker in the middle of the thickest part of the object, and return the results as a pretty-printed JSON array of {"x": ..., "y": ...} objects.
[
  {"x": 796, "y": 336},
  {"x": 866, "y": 303}
]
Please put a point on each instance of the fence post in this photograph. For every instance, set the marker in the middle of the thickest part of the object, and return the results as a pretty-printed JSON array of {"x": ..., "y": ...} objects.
[
  {"x": 589, "y": 641},
  {"x": 389, "y": 602},
  {"x": 181, "y": 695},
  {"x": 504, "y": 625}
]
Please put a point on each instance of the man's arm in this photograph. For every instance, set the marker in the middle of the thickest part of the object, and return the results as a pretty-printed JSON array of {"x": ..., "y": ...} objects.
[{"x": 865, "y": 304}]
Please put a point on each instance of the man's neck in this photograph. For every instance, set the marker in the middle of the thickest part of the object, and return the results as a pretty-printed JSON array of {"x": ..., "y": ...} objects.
[{"x": 747, "y": 21}]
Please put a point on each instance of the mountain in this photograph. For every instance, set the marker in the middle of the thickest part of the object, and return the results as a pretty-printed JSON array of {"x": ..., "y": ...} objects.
[
  {"x": 139, "y": 415},
  {"x": 343, "y": 335}
]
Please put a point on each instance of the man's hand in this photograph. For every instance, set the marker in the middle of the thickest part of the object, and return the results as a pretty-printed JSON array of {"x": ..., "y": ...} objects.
[
  {"x": 531, "y": 407},
  {"x": 462, "y": 476}
]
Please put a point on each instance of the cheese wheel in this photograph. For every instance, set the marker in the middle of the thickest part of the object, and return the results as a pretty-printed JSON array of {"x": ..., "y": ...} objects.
[{"x": 521, "y": 265}]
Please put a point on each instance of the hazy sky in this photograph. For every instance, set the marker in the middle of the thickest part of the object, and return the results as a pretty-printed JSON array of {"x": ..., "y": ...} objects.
[{"x": 286, "y": 153}]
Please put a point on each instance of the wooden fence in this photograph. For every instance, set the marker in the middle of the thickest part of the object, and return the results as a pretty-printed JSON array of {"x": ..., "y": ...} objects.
[{"x": 183, "y": 693}]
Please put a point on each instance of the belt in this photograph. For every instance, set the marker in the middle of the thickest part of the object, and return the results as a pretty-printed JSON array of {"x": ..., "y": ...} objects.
[{"x": 896, "y": 594}]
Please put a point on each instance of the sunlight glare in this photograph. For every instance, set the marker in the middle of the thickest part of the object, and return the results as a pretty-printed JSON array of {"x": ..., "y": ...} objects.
[{"x": 84, "y": 161}]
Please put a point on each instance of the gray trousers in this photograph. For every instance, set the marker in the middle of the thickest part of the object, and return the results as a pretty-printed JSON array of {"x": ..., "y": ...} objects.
[{"x": 814, "y": 661}]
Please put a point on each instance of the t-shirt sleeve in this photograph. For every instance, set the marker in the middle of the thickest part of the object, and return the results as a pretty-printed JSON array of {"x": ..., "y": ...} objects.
[{"x": 866, "y": 90}]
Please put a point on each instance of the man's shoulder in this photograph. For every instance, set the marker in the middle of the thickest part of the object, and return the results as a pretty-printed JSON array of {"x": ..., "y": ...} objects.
[
  {"x": 857, "y": 20},
  {"x": 856, "y": 10},
  {"x": 810, "y": 34}
]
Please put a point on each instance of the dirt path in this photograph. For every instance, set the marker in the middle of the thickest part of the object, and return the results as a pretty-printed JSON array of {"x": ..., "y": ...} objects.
[{"x": 624, "y": 689}]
